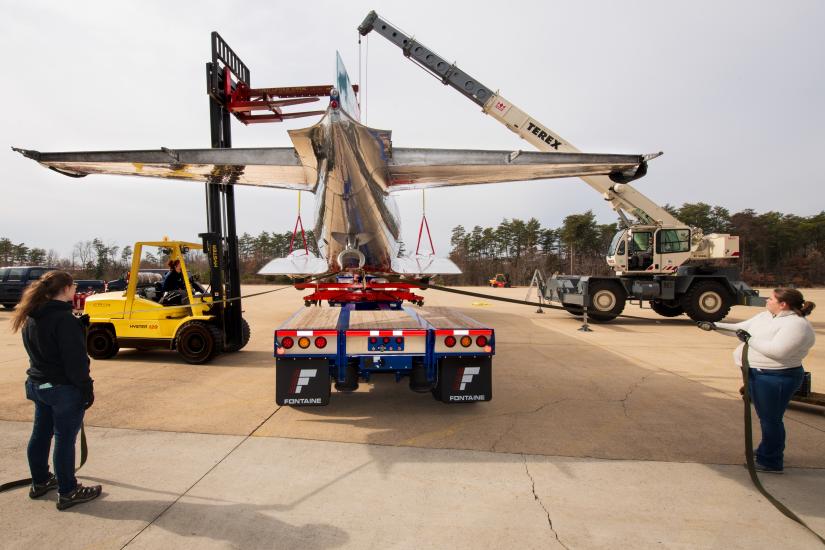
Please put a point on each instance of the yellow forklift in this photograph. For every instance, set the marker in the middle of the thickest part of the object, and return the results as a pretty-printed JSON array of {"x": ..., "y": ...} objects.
[
  {"x": 143, "y": 317},
  {"x": 212, "y": 324}
]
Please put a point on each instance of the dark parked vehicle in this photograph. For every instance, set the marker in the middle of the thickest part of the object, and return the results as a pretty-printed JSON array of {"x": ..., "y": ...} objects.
[{"x": 14, "y": 280}]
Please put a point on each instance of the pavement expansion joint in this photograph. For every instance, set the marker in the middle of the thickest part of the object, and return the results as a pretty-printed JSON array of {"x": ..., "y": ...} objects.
[
  {"x": 209, "y": 471},
  {"x": 541, "y": 503}
]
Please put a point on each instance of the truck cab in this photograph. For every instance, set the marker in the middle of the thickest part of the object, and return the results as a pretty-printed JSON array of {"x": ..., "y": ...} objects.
[
  {"x": 649, "y": 249},
  {"x": 14, "y": 280}
]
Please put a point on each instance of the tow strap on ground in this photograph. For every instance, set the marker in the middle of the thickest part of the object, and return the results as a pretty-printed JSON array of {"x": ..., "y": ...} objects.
[
  {"x": 84, "y": 454},
  {"x": 749, "y": 449},
  {"x": 425, "y": 286}
]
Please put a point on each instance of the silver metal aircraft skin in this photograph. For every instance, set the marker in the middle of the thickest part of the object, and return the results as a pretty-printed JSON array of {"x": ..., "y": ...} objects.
[{"x": 352, "y": 170}]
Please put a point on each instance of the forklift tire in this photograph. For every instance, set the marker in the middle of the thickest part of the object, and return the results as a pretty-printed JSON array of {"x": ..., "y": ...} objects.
[
  {"x": 666, "y": 310},
  {"x": 607, "y": 301},
  {"x": 707, "y": 301},
  {"x": 197, "y": 342},
  {"x": 245, "y": 334},
  {"x": 101, "y": 342}
]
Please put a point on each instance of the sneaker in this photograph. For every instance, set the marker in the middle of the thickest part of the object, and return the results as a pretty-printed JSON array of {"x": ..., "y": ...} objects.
[
  {"x": 40, "y": 489},
  {"x": 765, "y": 470},
  {"x": 80, "y": 495}
]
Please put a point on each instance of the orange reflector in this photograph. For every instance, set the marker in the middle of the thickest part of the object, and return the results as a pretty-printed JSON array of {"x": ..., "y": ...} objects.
[
  {"x": 466, "y": 341},
  {"x": 303, "y": 342},
  {"x": 488, "y": 349}
]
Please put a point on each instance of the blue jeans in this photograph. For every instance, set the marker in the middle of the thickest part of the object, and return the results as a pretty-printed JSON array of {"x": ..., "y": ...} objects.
[
  {"x": 771, "y": 391},
  {"x": 58, "y": 412}
]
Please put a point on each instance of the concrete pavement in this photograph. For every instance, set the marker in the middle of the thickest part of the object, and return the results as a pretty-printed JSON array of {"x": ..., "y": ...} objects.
[{"x": 629, "y": 436}]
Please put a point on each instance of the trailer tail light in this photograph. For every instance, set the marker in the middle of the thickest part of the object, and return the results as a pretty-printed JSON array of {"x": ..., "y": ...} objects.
[
  {"x": 287, "y": 342},
  {"x": 473, "y": 341},
  {"x": 303, "y": 342},
  {"x": 320, "y": 342}
]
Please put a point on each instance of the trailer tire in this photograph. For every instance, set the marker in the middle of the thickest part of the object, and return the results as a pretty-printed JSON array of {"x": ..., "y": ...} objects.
[
  {"x": 197, "y": 342},
  {"x": 607, "y": 301},
  {"x": 246, "y": 332},
  {"x": 707, "y": 301},
  {"x": 666, "y": 310},
  {"x": 101, "y": 342}
]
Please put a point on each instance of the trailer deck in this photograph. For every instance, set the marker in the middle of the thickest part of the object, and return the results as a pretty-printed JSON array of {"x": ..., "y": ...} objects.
[{"x": 438, "y": 349}]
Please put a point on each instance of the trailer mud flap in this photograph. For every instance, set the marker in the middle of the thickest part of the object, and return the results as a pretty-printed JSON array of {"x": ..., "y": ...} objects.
[
  {"x": 464, "y": 379},
  {"x": 302, "y": 382}
]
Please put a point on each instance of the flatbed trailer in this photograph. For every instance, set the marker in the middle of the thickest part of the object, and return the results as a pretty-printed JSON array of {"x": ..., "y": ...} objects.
[{"x": 439, "y": 350}]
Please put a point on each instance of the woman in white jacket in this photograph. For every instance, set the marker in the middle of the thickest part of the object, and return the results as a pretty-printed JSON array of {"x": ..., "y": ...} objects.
[{"x": 778, "y": 339}]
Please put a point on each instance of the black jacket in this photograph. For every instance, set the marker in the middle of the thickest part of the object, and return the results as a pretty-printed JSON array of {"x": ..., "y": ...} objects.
[
  {"x": 173, "y": 281},
  {"x": 56, "y": 343}
]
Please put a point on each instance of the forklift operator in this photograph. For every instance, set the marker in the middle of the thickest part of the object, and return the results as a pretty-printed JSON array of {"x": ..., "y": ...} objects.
[{"x": 174, "y": 279}]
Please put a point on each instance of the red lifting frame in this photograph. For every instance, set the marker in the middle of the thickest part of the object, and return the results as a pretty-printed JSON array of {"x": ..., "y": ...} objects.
[
  {"x": 243, "y": 100},
  {"x": 357, "y": 292}
]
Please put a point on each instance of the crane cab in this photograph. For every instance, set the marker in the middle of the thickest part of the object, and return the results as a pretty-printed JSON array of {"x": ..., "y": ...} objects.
[{"x": 649, "y": 249}]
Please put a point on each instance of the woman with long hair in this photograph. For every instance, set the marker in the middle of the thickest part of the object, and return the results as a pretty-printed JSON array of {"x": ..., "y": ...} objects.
[
  {"x": 58, "y": 383},
  {"x": 778, "y": 340}
]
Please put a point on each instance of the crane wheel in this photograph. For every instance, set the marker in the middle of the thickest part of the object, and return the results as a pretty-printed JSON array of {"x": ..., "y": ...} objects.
[
  {"x": 667, "y": 310},
  {"x": 606, "y": 301},
  {"x": 197, "y": 342},
  {"x": 576, "y": 311},
  {"x": 101, "y": 342},
  {"x": 707, "y": 301},
  {"x": 246, "y": 332}
]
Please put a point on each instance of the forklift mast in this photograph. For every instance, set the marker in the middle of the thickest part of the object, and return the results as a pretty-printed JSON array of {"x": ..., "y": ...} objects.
[{"x": 220, "y": 242}]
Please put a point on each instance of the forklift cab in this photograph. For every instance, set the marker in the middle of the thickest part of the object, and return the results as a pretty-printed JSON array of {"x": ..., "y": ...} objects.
[{"x": 649, "y": 249}]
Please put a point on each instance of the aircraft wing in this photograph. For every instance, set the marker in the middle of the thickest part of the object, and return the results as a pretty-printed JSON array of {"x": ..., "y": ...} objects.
[
  {"x": 422, "y": 168},
  {"x": 261, "y": 167}
]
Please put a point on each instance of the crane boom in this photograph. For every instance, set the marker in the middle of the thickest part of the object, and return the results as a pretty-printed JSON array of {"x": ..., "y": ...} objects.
[{"x": 622, "y": 197}]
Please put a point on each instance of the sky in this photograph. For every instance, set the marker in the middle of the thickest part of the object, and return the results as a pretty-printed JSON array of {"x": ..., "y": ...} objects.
[{"x": 732, "y": 92}]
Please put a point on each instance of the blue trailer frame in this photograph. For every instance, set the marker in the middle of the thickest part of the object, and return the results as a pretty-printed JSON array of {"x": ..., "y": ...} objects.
[{"x": 420, "y": 351}]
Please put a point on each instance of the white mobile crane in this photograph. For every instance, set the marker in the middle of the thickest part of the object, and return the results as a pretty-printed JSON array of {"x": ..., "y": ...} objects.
[{"x": 656, "y": 258}]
